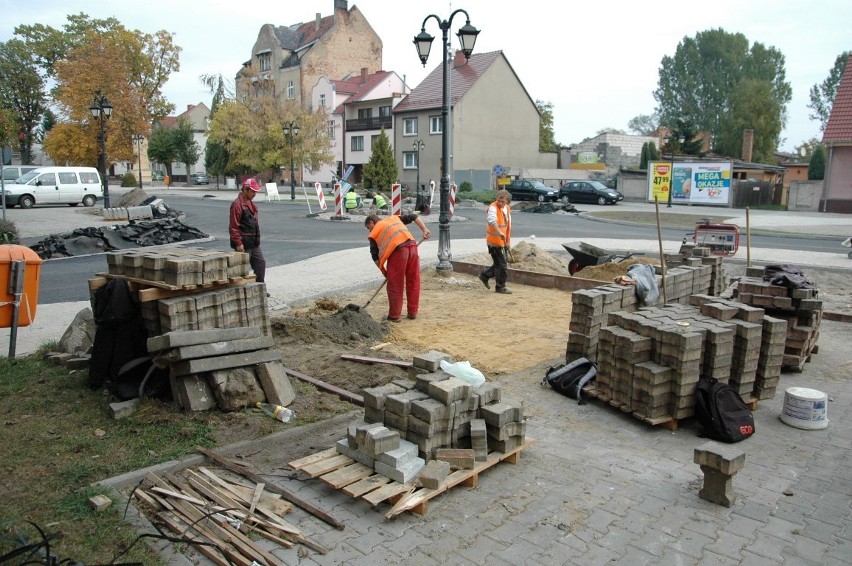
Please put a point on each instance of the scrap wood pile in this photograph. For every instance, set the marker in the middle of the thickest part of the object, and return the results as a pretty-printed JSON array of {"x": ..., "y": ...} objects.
[{"x": 221, "y": 514}]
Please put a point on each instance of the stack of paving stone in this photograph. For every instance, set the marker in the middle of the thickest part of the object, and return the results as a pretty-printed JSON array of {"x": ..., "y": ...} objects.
[
  {"x": 179, "y": 266},
  {"x": 650, "y": 360},
  {"x": 800, "y": 308},
  {"x": 691, "y": 255},
  {"x": 382, "y": 449},
  {"x": 437, "y": 410}
]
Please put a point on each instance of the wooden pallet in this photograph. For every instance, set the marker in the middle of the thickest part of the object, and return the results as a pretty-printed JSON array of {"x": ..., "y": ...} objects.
[
  {"x": 361, "y": 482},
  {"x": 156, "y": 290}
]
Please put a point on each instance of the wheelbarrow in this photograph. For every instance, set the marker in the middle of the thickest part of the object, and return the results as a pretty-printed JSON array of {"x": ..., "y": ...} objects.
[{"x": 586, "y": 255}]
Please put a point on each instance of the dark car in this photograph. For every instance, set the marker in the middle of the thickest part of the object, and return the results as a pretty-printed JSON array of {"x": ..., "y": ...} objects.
[
  {"x": 200, "y": 179},
  {"x": 522, "y": 189},
  {"x": 593, "y": 192}
]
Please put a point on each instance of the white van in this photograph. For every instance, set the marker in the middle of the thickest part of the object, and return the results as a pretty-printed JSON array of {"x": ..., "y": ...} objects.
[
  {"x": 12, "y": 172},
  {"x": 55, "y": 185}
]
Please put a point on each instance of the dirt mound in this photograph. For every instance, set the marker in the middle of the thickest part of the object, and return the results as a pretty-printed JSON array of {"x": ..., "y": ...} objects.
[
  {"x": 134, "y": 198},
  {"x": 320, "y": 324},
  {"x": 528, "y": 257},
  {"x": 609, "y": 271}
]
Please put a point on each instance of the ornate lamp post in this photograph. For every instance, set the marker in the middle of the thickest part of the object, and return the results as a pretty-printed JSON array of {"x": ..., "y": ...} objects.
[
  {"x": 291, "y": 130},
  {"x": 418, "y": 146},
  {"x": 467, "y": 37},
  {"x": 101, "y": 110},
  {"x": 138, "y": 139}
]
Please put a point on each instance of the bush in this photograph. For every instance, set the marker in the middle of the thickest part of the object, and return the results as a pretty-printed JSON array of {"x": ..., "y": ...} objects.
[
  {"x": 8, "y": 232},
  {"x": 466, "y": 187},
  {"x": 129, "y": 180}
]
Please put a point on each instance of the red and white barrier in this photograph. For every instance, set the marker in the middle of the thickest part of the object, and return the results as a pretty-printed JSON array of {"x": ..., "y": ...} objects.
[
  {"x": 453, "y": 191},
  {"x": 320, "y": 196},
  {"x": 338, "y": 200},
  {"x": 396, "y": 198}
]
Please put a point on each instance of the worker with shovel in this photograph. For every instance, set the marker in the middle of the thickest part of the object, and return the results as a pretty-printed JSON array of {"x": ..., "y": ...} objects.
[
  {"x": 394, "y": 251},
  {"x": 497, "y": 235}
]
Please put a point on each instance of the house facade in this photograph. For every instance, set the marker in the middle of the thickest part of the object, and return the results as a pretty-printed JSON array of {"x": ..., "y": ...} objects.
[
  {"x": 494, "y": 122},
  {"x": 198, "y": 117},
  {"x": 837, "y": 186}
]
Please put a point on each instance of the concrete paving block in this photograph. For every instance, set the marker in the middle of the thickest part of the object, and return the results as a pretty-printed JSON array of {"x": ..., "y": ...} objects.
[
  {"x": 431, "y": 360},
  {"x": 488, "y": 392},
  {"x": 498, "y": 414},
  {"x": 400, "y": 403},
  {"x": 396, "y": 458},
  {"x": 123, "y": 409},
  {"x": 380, "y": 439},
  {"x": 430, "y": 410},
  {"x": 343, "y": 447},
  {"x": 404, "y": 474},
  {"x": 435, "y": 472},
  {"x": 423, "y": 380},
  {"x": 362, "y": 430},
  {"x": 276, "y": 383},
  {"x": 449, "y": 390},
  {"x": 457, "y": 458}
]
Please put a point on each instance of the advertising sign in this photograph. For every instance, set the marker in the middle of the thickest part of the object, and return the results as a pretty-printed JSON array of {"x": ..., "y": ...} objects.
[{"x": 690, "y": 182}]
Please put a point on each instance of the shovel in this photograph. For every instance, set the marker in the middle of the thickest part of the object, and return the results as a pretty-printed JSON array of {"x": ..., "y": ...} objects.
[{"x": 359, "y": 308}]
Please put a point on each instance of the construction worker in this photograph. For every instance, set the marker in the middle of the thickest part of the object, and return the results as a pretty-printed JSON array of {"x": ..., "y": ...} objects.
[
  {"x": 352, "y": 200},
  {"x": 244, "y": 228},
  {"x": 394, "y": 251},
  {"x": 498, "y": 233},
  {"x": 379, "y": 201}
]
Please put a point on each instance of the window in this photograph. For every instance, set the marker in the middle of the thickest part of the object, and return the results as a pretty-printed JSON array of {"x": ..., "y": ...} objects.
[
  {"x": 357, "y": 143},
  {"x": 436, "y": 124},
  {"x": 330, "y": 126},
  {"x": 374, "y": 139},
  {"x": 86, "y": 177},
  {"x": 67, "y": 178},
  {"x": 409, "y": 127},
  {"x": 322, "y": 101},
  {"x": 409, "y": 160},
  {"x": 265, "y": 60},
  {"x": 364, "y": 113},
  {"x": 384, "y": 111},
  {"x": 47, "y": 179},
  {"x": 291, "y": 90}
]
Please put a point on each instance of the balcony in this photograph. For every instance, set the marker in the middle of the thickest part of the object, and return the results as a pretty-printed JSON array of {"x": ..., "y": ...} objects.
[{"x": 361, "y": 124}]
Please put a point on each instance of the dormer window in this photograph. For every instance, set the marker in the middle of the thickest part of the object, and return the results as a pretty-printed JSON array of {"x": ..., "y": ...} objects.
[
  {"x": 264, "y": 61},
  {"x": 291, "y": 90}
]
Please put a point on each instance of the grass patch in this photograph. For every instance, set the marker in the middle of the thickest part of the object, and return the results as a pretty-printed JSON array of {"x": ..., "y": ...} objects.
[
  {"x": 667, "y": 219},
  {"x": 58, "y": 438}
]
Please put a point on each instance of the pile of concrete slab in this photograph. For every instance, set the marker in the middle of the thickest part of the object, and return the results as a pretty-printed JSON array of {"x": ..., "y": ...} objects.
[
  {"x": 179, "y": 266},
  {"x": 800, "y": 308},
  {"x": 434, "y": 410}
]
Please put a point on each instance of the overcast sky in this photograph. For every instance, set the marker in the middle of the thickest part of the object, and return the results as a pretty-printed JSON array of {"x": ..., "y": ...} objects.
[{"x": 596, "y": 62}]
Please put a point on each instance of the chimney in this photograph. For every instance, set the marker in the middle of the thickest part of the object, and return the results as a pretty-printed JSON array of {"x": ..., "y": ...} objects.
[
  {"x": 363, "y": 75},
  {"x": 341, "y": 5},
  {"x": 319, "y": 18},
  {"x": 459, "y": 59},
  {"x": 748, "y": 144}
]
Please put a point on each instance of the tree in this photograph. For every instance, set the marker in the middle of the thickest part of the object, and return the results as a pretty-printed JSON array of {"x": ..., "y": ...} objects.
[
  {"x": 700, "y": 83},
  {"x": 608, "y": 130},
  {"x": 653, "y": 154},
  {"x": 22, "y": 91},
  {"x": 822, "y": 95},
  {"x": 161, "y": 148},
  {"x": 381, "y": 171},
  {"x": 751, "y": 107},
  {"x": 215, "y": 155},
  {"x": 644, "y": 124},
  {"x": 816, "y": 166},
  {"x": 8, "y": 127},
  {"x": 806, "y": 149},
  {"x": 186, "y": 148},
  {"x": 48, "y": 120},
  {"x": 682, "y": 139},
  {"x": 546, "y": 141},
  {"x": 643, "y": 157}
]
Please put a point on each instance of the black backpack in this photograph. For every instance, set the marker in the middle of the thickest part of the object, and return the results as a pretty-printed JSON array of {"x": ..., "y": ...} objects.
[
  {"x": 721, "y": 411},
  {"x": 569, "y": 379}
]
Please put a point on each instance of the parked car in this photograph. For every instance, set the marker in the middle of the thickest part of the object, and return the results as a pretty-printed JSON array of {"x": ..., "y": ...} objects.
[
  {"x": 200, "y": 179},
  {"x": 522, "y": 189},
  {"x": 55, "y": 185},
  {"x": 157, "y": 176},
  {"x": 593, "y": 192}
]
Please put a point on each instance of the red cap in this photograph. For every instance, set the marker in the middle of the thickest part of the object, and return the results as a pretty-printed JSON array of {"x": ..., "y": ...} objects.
[{"x": 251, "y": 184}]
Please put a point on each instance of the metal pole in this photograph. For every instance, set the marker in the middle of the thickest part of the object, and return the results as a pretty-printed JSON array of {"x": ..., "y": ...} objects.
[
  {"x": 102, "y": 155},
  {"x": 139, "y": 149},
  {"x": 671, "y": 180},
  {"x": 418, "y": 145},
  {"x": 16, "y": 285},
  {"x": 444, "y": 252},
  {"x": 292, "y": 171}
]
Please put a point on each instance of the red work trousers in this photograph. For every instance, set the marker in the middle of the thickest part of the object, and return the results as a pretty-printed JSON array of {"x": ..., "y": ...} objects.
[{"x": 403, "y": 272}]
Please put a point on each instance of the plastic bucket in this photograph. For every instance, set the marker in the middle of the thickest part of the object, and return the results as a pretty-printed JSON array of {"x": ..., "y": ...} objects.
[{"x": 805, "y": 408}]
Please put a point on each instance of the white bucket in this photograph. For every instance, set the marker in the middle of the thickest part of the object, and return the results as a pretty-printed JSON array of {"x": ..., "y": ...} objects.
[{"x": 805, "y": 408}]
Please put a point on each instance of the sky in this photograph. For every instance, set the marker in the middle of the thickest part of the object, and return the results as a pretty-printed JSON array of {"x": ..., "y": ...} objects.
[{"x": 598, "y": 64}]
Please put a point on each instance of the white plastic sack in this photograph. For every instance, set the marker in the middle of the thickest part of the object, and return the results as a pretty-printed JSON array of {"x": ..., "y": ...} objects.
[
  {"x": 646, "y": 283},
  {"x": 464, "y": 371}
]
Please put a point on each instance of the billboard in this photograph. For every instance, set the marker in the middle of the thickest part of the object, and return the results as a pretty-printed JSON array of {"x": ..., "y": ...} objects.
[{"x": 690, "y": 182}]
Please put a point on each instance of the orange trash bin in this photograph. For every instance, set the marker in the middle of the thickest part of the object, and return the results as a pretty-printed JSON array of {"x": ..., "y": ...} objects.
[{"x": 29, "y": 298}]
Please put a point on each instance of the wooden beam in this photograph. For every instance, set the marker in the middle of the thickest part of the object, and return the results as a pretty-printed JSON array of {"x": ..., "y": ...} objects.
[
  {"x": 368, "y": 360},
  {"x": 341, "y": 393}
]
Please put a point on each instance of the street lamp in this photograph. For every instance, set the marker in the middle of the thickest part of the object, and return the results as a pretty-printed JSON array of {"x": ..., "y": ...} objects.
[
  {"x": 423, "y": 41},
  {"x": 291, "y": 130},
  {"x": 418, "y": 146},
  {"x": 138, "y": 139},
  {"x": 669, "y": 141},
  {"x": 101, "y": 110}
]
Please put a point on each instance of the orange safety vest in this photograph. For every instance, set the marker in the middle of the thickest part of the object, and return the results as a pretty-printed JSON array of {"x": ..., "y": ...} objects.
[
  {"x": 389, "y": 233},
  {"x": 492, "y": 234}
]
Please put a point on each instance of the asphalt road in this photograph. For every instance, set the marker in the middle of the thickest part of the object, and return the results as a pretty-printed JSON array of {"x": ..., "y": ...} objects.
[{"x": 290, "y": 235}]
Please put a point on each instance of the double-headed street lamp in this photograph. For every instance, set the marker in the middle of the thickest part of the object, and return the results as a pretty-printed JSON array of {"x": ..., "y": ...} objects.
[
  {"x": 138, "y": 139},
  {"x": 101, "y": 109},
  {"x": 291, "y": 130},
  {"x": 467, "y": 37},
  {"x": 418, "y": 146}
]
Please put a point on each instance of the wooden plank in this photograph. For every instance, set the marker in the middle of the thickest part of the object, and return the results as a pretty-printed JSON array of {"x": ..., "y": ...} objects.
[
  {"x": 346, "y": 475},
  {"x": 322, "y": 468},
  {"x": 366, "y": 485},
  {"x": 201, "y": 545},
  {"x": 341, "y": 393},
  {"x": 302, "y": 462},
  {"x": 384, "y": 361},
  {"x": 386, "y": 492}
]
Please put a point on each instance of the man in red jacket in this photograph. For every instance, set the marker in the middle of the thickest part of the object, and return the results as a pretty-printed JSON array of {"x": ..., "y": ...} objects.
[{"x": 244, "y": 228}]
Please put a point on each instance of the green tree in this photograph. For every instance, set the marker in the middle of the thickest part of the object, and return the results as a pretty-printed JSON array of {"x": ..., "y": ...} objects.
[
  {"x": 653, "y": 154},
  {"x": 161, "y": 148},
  {"x": 751, "y": 107},
  {"x": 22, "y": 91},
  {"x": 48, "y": 120},
  {"x": 806, "y": 149},
  {"x": 644, "y": 124},
  {"x": 381, "y": 171},
  {"x": 822, "y": 95},
  {"x": 186, "y": 148},
  {"x": 609, "y": 130},
  {"x": 643, "y": 157},
  {"x": 546, "y": 140},
  {"x": 698, "y": 83},
  {"x": 682, "y": 139},
  {"x": 215, "y": 154},
  {"x": 816, "y": 166}
]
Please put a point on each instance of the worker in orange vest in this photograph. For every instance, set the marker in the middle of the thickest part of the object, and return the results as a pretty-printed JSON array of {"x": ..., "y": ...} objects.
[
  {"x": 498, "y": 232},
  {"x": 394, "y": 251}
]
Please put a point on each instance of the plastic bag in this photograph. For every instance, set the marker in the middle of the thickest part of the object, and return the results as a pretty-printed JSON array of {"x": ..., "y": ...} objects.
[
  {"x": 646, "y": 282},
  {"x": 464, "y": 371}
]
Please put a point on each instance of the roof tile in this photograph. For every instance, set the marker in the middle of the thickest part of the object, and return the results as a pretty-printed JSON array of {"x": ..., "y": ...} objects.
[{"x": 839, "y": 127}]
